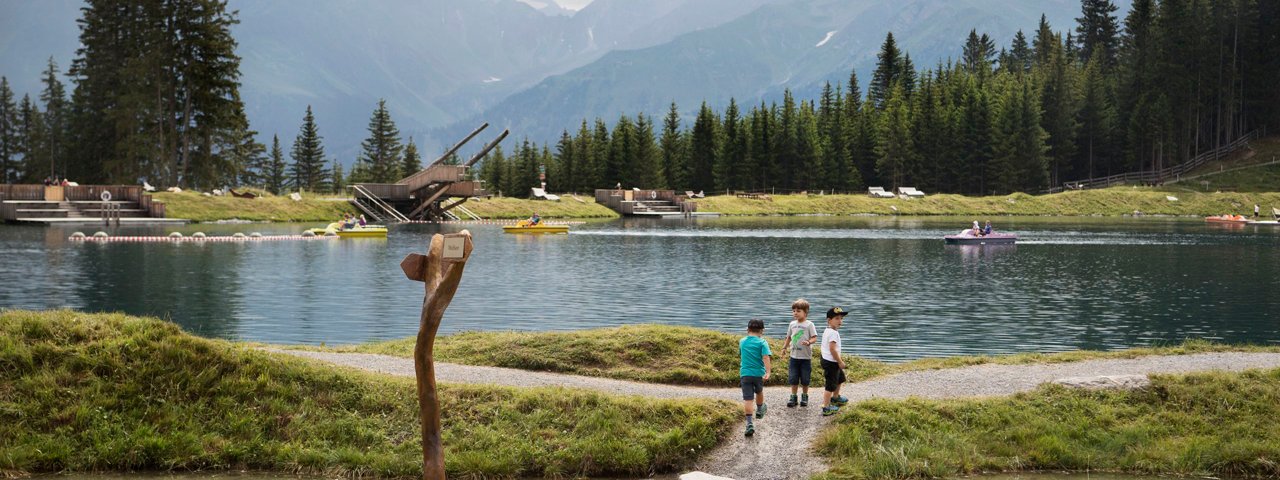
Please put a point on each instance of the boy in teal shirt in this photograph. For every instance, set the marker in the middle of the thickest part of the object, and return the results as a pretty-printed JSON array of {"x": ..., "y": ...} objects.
[{"x": 754, "y": 370}]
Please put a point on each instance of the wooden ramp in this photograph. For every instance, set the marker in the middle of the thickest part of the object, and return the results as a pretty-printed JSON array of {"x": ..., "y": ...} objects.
[{"x": 428, "y": 195}]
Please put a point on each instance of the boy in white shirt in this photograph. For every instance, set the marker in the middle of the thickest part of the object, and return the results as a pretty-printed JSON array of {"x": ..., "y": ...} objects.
[
  {"x": 832, "y": 364},
  {"x": 801, "y": 335}
]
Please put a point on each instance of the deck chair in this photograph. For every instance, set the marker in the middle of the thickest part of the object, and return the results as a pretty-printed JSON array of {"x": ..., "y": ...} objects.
[
  {"x": 1275, "y": 212},
  {"x": 878, "y": 192}
]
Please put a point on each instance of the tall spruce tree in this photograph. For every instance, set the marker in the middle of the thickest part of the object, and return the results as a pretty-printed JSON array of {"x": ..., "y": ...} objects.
[
  {"x": 1058, "y": 98},
  {"x": 31, "y": 133},
  {"x": 1018, "y": 162},
  {"x": 1098, "y": 32},
  {"x": 894, "y": 150},
  {"x": 54, "y": 97},
  {"x": 565, "y": 178},
  {"x": 1021, "y": 54},
  {"x": 8, "y": 134},
  {"x": 644, "y": 169},
  {"x": 1097, "y": 118},
  {"x": 276, "y": 178},
  {"x": 380, "y": 154},
  {"x": 600, "y": 143},
  {"x": 155, "y": 94},
  {"x": 621, "y": 150},
  {"x": 674, "y": 151},
  {"x": 308, "y": 167},
  {"x": 727, "y": 170},
  {"x": 887, "y": 73},
  {"x": 492, "y": 169},
  {"x": 978, "y": 53},
  {"x": 704, "y": 148}
]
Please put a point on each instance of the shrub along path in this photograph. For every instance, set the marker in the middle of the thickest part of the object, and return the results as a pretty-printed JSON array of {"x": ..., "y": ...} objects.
[{"x": 783, "y": 444}]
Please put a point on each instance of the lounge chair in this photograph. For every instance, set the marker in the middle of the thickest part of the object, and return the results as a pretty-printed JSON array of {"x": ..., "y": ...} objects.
[
  {"x": 146, "y": 187},
  {"x": 878, "y": 192},
  {"x": 1275, "y": 212},
  {"x": 910, "y": 192},
  {"x": 541, "y": 193}
]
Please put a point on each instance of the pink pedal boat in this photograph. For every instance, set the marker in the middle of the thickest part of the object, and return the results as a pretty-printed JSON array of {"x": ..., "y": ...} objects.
[{"x": 991, "y": 239}]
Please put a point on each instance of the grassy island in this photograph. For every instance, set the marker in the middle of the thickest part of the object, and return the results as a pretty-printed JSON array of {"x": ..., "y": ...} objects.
[
  {"x": 1213, "y": 424},
  {"x": 109, "y": 392},
  {"x": 268, "y": 208}
]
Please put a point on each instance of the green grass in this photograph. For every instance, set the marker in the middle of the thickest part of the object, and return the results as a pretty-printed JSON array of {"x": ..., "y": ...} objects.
[
  {"x": 695, "y": 356},
  {"x": 199, "y": 208},
  {"x": 1115, "y": 201},
  {"x": 513, "y": 208},
  {"x": 110, "y": 392},
  {"x": 1258, "y": 179},
  {"x": 1215, "y": 424}
]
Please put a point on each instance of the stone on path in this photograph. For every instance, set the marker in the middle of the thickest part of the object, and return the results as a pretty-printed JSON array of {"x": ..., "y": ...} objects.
[
  {"x": 701, "y": 476},
  {"x": 1106, "y": 382}
]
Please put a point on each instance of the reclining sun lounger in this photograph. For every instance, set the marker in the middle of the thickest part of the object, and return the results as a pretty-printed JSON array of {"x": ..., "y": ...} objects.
[{"x": 878, "y": 192}]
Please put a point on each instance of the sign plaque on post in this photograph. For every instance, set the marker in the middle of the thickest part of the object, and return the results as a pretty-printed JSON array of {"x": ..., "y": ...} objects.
[{"x": 440, "y": 271}]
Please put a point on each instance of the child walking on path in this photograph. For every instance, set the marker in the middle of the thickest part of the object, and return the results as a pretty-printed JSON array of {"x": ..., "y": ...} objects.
[
  {"x": 832, "y": 363},
  {"x": 754, "y": 369},
  {"x": 801, "y": 335}
]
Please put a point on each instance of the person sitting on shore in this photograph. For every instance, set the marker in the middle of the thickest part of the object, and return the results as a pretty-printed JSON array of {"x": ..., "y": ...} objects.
[{"x": 363, "y": 222}]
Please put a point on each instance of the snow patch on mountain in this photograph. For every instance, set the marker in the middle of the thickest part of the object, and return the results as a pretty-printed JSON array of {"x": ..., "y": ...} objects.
[{"x": 826, "y": 39}]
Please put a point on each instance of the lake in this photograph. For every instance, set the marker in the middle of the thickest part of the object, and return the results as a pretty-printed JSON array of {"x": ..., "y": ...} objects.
[{"x": 1070, "y": 283}]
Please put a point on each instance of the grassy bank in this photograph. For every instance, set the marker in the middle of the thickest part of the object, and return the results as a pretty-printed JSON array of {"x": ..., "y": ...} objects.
[
  {"x": 695, "y": 356},
  {"x": 512, "y": 208},
  {"x": 1220, "y": 424},
  {"x": 1108, "y": 202},
  {"x": 81, "y": 392},
  {"x": 196, "y": 207}
]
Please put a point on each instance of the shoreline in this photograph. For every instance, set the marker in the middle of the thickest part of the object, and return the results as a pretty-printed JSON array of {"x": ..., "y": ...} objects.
[{"x": 1115, "y": 202}]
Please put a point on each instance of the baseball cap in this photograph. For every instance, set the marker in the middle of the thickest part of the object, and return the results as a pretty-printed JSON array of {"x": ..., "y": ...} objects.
[{"x": 836, "y": 311}]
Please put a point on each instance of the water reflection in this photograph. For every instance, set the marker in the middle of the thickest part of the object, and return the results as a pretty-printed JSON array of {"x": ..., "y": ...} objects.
[{"x": 1067, "y": 284}]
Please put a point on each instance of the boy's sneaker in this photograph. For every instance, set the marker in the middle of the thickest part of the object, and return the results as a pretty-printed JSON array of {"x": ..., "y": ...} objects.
[
  {"x": 829, "y": 411},
  {"x": 839, "y": 400},
  {"x": 761, "y": 409},
  {"x": 751, "y": 430},
  {"x": 804, "y": 400},
  {"x": 792, "y": 402}
]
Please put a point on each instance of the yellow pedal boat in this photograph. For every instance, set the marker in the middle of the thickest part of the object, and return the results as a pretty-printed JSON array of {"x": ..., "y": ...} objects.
[
  {"x": 367, "y": 231},
  {"x": 524, "y": 227}
]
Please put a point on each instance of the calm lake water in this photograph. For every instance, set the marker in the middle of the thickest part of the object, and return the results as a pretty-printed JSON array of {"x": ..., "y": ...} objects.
[{"x": 1070, "y": 283}]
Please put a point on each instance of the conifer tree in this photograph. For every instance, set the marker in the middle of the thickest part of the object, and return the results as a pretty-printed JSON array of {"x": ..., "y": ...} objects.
[
  {"x": 381, "y": 151},
  {"x": 893, "y": 148},
  {"x": 8, "y": 134},
  {"x": 808, "y": 149},
  {"x": 644, "y": 170},
  {"x": 704, "y": 148},
  {"x": 729, "y": 160},
  {"x": 888, "y": 71},
  {"x": 492, "y": 169},
  {"x": 1044, "y": 41},
  {"x": 584, "y": 152},
  {"x": 600, "y": 143},
  {"x": 1098, "y": 32},
  {"x": 979, "y": 51},
  {"x": 31, "y": 134},
  {"x": 621, "y": 150},
  {"x": 54, "y": 97},
  {"x": 761, "y": 148},
  {"x": 674, "y": 151},
  {"x": 1018, "y": 162},
  {"x": 835, "y": 150},
  {"x": 565, "y": 177},
  {"x": 1058, "y": 98},
  {"x": 338, "y": 181},
  {"x": 308, "y": 167},
  {"x": 247, "y": 157},
  {"x": 1096, "y": 119},
  {"x": 1020, "y": 53},
  {"x": 276, "y": 180},
  {"x": 412, "y": 162}
]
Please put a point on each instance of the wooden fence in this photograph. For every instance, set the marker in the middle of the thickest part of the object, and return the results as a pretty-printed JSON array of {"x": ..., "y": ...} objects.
[
  {"x": 21, "y": 192},
  {"x": 1170, "y": 175}
]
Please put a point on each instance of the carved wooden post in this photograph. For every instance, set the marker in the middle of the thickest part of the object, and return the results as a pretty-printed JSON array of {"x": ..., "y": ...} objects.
[{"x": 440, "y": 270}]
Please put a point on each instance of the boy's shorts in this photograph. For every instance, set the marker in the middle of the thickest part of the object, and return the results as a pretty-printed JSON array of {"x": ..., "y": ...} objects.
[
  {"x": 751, "y": 386},
  {"x": 832, "y": 374},
  {"x": 799, "y": 371}
]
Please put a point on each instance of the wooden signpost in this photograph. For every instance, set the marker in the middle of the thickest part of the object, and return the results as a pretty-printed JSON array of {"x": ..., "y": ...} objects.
[{"x": 440, "y": 270}]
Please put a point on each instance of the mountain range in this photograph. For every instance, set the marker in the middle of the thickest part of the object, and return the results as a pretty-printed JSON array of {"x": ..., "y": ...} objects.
[{"x": 444, "y": 66}]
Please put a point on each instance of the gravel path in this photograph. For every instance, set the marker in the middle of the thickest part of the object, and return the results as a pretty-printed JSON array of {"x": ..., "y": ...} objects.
[{"x": 782, "y": 446}]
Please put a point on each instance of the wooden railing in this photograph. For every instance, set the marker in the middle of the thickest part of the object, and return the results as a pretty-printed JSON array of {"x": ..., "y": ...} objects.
[
  {"x": 386, "y": 191},
  {"x": 364, "y": 195},
  {"x": 434, "y": 174},
  {"x": 1168, "y": 175},
  {"x": 21, "y": 192},
  {"x": 131, "y": 193}
]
